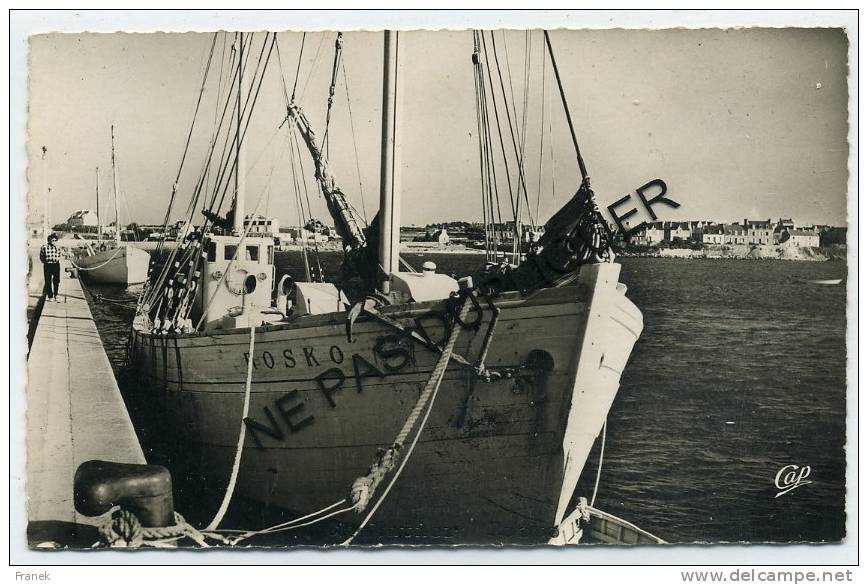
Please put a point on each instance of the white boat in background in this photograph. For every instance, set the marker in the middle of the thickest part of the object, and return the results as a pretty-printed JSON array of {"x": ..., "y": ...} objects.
[
  {"x": 116, "y": 262},
  {"x": 121, "y": 264},
  {"x": 829, "y": 282}
]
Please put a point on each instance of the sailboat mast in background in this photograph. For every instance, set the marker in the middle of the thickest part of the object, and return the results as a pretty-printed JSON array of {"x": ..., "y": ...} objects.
[
  {"x": 115, "y": 188},
  {"x": 98, "y": 220},
  {"x": 46, "y": 210}
]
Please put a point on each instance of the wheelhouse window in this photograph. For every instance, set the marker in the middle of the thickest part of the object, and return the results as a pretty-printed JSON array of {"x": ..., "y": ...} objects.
[
  {"x": 211, "y": 249},
  {"x": 253, "y": 253},
  {"x": 229, "y": 252}
]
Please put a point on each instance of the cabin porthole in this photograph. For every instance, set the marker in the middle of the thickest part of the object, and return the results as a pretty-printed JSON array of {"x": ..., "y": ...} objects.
[{"x": 250, "y": 284}]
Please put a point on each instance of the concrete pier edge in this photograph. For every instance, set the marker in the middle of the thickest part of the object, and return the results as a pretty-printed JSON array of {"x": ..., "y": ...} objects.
[{"x": 75, "y": 411}]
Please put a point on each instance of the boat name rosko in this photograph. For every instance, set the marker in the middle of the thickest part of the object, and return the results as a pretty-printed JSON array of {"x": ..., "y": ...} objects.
[{"x": 394, "y": 352}]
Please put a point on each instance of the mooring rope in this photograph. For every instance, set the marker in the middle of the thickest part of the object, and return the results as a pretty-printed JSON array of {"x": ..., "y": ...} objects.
[
  {"x": 230, "y": 489},
  {"x": 124, "y": 530},
  {"x": 363, "y": 487}
]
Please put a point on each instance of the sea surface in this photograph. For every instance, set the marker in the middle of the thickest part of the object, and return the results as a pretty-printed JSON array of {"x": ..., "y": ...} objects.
[{"x": 740, "y": 371}]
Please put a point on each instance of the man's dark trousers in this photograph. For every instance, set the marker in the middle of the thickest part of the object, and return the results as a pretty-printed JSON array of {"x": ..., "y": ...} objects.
[{"x": 51, "y": 271}]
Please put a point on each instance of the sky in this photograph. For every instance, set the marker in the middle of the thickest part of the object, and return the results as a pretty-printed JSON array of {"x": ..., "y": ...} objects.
[{"x": 739, "y": 123}]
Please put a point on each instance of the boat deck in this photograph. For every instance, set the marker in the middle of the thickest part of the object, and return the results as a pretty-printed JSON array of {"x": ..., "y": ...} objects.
[{"x": 75, "y": 411}]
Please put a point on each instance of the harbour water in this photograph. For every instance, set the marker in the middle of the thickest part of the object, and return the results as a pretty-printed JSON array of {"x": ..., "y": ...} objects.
[{"x": 740, "y": 371}]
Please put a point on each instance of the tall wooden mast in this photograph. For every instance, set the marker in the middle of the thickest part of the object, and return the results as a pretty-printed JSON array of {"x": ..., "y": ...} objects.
[
  {"x": 390, "y": 206},
  {"x": 240, "y": 162}
]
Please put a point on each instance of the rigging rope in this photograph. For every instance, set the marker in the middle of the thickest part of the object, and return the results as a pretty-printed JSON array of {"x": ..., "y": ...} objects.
[
  {"x": 491, "y": 193},
  {"x": 295, "y": 158},
  {"x": 255, "y": 97},
  {"x": 522, "y": 187},
  {"x": 542, "y": 135},
  {"x": 150, "y": 291},
  {"x": 297, "y": 69},
  {"x": 190, "y": 132},
  {"x": 146, "y": 297},
  {"x": 355, "y": 145},
  {"x": 320, "y": 276},
  {"x": 600, "y": 464},
  {"x": 312, "y": 66},
  {"x": 216, "y": 108},
  {"x": 579, "y": 158},
  {"x": 513, "y": 202},
  {"x": 337, "y": 62},
  {"x": 299, "y": 210}
]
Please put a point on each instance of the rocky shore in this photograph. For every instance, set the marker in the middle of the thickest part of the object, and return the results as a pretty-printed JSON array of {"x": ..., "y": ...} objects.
[{"x": 746, "y": 252}]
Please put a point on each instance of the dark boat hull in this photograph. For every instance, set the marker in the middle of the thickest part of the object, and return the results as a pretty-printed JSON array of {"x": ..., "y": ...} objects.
[{"x": 492, "y": 461}]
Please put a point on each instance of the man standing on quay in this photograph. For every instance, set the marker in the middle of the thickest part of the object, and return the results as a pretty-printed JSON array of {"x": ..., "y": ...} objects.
[{"x": 49, "y": 254}]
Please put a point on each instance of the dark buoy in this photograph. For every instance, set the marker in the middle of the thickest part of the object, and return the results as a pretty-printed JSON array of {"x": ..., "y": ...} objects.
[{"x": 145, "y": 490}]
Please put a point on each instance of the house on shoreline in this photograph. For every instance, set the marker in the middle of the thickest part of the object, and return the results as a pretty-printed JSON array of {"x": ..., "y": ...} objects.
[{"x": 745, "y": 233}]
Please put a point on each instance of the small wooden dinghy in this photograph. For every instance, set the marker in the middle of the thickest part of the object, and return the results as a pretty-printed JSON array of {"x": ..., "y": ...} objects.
[
  {"x": 829, "y": 282},
  {"x": 589, "y": 525}
]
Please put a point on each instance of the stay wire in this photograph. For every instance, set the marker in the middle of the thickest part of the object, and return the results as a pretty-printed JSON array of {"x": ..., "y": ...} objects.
[
  {"x": 298, "y": 67},
  {"x": 542, "y": 134},
  {"x": 312, "y": 66},
  {"x": 331, "y": 98},
  {"x": 355, "y": 142},
  {"x": 189, "y": 136},
  {"x": 320, "y": 277},
  {"x": 579, "y": 159},
  {"x": 522, "y": 187},
  {"x": 254, "y": 98},
  {"x": 513, "y": 200},
  {"x": 494, "y": 192}
]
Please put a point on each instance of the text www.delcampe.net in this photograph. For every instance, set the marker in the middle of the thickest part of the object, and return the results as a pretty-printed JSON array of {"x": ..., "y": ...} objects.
[{"x": 754, "y": 575}]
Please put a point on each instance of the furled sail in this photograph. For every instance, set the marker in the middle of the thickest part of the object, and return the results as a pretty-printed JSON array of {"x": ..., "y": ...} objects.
[{"x": 348, "y": 223}]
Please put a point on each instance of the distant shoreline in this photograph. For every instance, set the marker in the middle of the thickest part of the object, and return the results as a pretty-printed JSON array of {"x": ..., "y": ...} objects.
[
  {"x": 738, "y": 252},
  {"x": 745, "y": 252}
]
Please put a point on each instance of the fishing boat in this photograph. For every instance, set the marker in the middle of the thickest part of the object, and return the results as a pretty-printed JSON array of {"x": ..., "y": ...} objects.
[
  {"x": 458, "y": 411},
  {"x": 113, "y": 262}
]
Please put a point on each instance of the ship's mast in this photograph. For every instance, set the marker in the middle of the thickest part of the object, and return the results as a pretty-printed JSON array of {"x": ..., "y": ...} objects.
[
  {"x": 98, "y": 222},
  {"x": 390, "y": 207},
  {"x": 47, "y": 203},
  {"x": 115, "y": 187},
  {"x": 240, "y": 162}
]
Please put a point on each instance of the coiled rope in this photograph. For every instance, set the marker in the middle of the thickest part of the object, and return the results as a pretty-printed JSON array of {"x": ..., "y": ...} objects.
[
  {"x": 364, "y": 487},
  {"x": 123, "y": 530}
]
